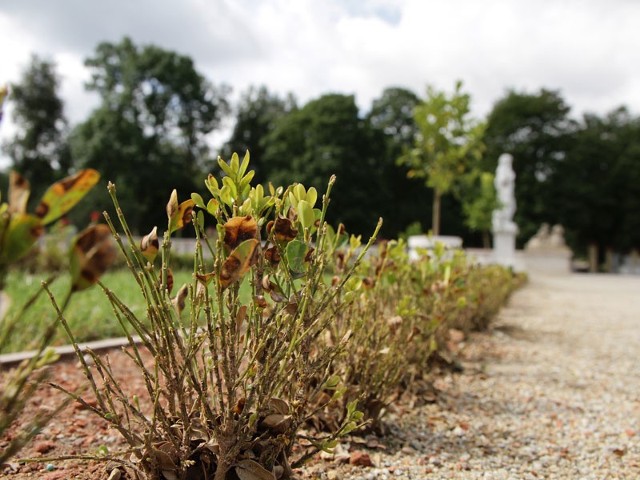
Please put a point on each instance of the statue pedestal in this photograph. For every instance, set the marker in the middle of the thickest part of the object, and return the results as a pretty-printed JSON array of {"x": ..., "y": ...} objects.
[{"x": 504, "y": 247}]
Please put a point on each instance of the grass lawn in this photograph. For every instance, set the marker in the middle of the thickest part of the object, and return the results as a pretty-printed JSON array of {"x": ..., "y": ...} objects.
[{"x": 89, "y": 313}]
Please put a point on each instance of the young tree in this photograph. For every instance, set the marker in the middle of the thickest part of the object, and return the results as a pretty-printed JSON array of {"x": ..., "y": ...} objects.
[
  {"x": 150, "y": 128},
  {"x": 479, "y": 200},
  {"x": 39, "y": 149},
  {"x": 448, "y": 144}
]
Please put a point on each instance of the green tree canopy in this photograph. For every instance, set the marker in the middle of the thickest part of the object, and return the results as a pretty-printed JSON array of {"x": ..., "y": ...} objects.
[
  {"x": 448, "y": 144},
  {"x": 150, "y": 128},
  {"x": 325, "y": 137},
  {"x": 256, "y": 116},
  {"x": 597, "y": 184},
  {"x": 391, "y": 118},
  {"x": 39, "y": 149}
]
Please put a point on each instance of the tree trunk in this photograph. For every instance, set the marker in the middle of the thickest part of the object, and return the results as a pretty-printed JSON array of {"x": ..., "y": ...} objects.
[
  {"x": 435, "y": 225},
  {"x": 593, "y": 257},
  {"x": 486, "y": 239},
  {"x": 608, "y": 260}
]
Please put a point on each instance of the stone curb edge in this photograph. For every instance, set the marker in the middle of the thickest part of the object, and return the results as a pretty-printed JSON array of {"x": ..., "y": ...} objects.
[{"x": 9, "y": 359}]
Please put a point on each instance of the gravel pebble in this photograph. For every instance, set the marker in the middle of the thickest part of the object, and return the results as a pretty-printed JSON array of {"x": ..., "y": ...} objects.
[{"x": 551, "y": 392}]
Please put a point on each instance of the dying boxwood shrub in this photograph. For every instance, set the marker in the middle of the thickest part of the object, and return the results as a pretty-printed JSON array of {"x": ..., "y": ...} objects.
[
  {"x": 232, "y": 381},
  {"x": 399, "y": 312}
]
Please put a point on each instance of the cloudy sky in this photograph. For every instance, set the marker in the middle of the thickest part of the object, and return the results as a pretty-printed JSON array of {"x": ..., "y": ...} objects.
[{"x": 587, "y": 49}]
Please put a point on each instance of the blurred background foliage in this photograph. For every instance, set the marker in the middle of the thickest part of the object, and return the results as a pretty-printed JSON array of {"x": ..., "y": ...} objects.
[{"x": 151, "y": 133}]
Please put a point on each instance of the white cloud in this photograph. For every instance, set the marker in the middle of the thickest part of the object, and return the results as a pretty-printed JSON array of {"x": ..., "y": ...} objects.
[{"x": 585, "y": 48}]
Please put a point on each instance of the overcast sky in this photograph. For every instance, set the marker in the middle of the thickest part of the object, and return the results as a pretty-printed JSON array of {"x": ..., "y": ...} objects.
[{"x": 587, "y": 49}]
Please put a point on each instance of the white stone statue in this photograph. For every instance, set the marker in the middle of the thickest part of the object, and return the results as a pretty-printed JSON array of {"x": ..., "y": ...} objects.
[
  {"x": 556, "y": 239},
  {"x": 502, "y": 219},
  {"x": 540, "y": 239},
  {"x": 504, "y": 229},
  {"x": 547, "y": 239}
]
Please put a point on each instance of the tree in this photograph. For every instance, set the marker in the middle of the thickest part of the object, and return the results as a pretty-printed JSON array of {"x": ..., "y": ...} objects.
[
  {"x": 448, "y": 144},
  {"x": 256, "y": 116},
  {"x": 597, "y": 184},
  {"x": 393, "y": 114},
  {"x": 39, "y": 149},
  {"x": 391, "y": 118},
  {"x": 536, "y": 130},
  {"x": 479, "y": 200},
  {"x": 325, "y": 137},
  {"x": 150, "y": 129}
]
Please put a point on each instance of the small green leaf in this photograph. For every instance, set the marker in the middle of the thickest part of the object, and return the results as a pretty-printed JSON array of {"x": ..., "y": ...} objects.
[
  {"x": 331, "y": 383},
  {"x": 225, "y": 168},
  {"x": 197, "y": 200},
  {"x": 312, "y": 196},
  {"x": 235, "y": 164},
  {"x": 226, "y": 195},
  {"x": 212, "y": 206},
  {"x": 348, "y": 428},
  {"x": 212, "y": 184},
  {"x": 244, "y": 165},
  {"x": 305, "y": 214},
  {"x": 329, "y": 445},
  {"x": 296, "y": 252}
]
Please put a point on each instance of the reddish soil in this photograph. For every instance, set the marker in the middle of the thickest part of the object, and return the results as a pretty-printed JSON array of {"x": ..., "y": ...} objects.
[{"x": 75, "y": 430}]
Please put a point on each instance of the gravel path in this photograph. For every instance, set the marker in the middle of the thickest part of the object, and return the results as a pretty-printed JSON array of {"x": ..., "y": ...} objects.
[{"x": 552, "y": 392}]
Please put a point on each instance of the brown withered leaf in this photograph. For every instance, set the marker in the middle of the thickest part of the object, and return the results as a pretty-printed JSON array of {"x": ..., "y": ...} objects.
[
  {"x": 239, "y": 229},
  {"x": 291, "y": 308},
  {"x": 150, "y": 245},
  {"x": 242, "y": 314},
  {"x": 205, "y": 278},
  {"x": 250, "y": 470},
  {"x": 19, "y": 190},
  {"x": 239, "y": 406},
  {"x": 179, "y": 301},
  {"x": 240, "y": 260},
  {"x": 169, "y": 280},
  {"x": 394, "y": 323},
  {"x": 276, "y": 422},
  {"x": 172, "y": 204},
  {"x": 181, "y": 216},
  {"x": 166, "y": 456},
  {"x": 309, "y": 255},
  {"x": 368, "y": 282},
  {"x": 260, "y": 301},
  {"x": 276, "y": 296},
  {"x": 283, "y": 230},
  {"x": 277, "y": 405},
  {"x": 272, "y": 255},
  {"x": 93, "y": 252}
]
